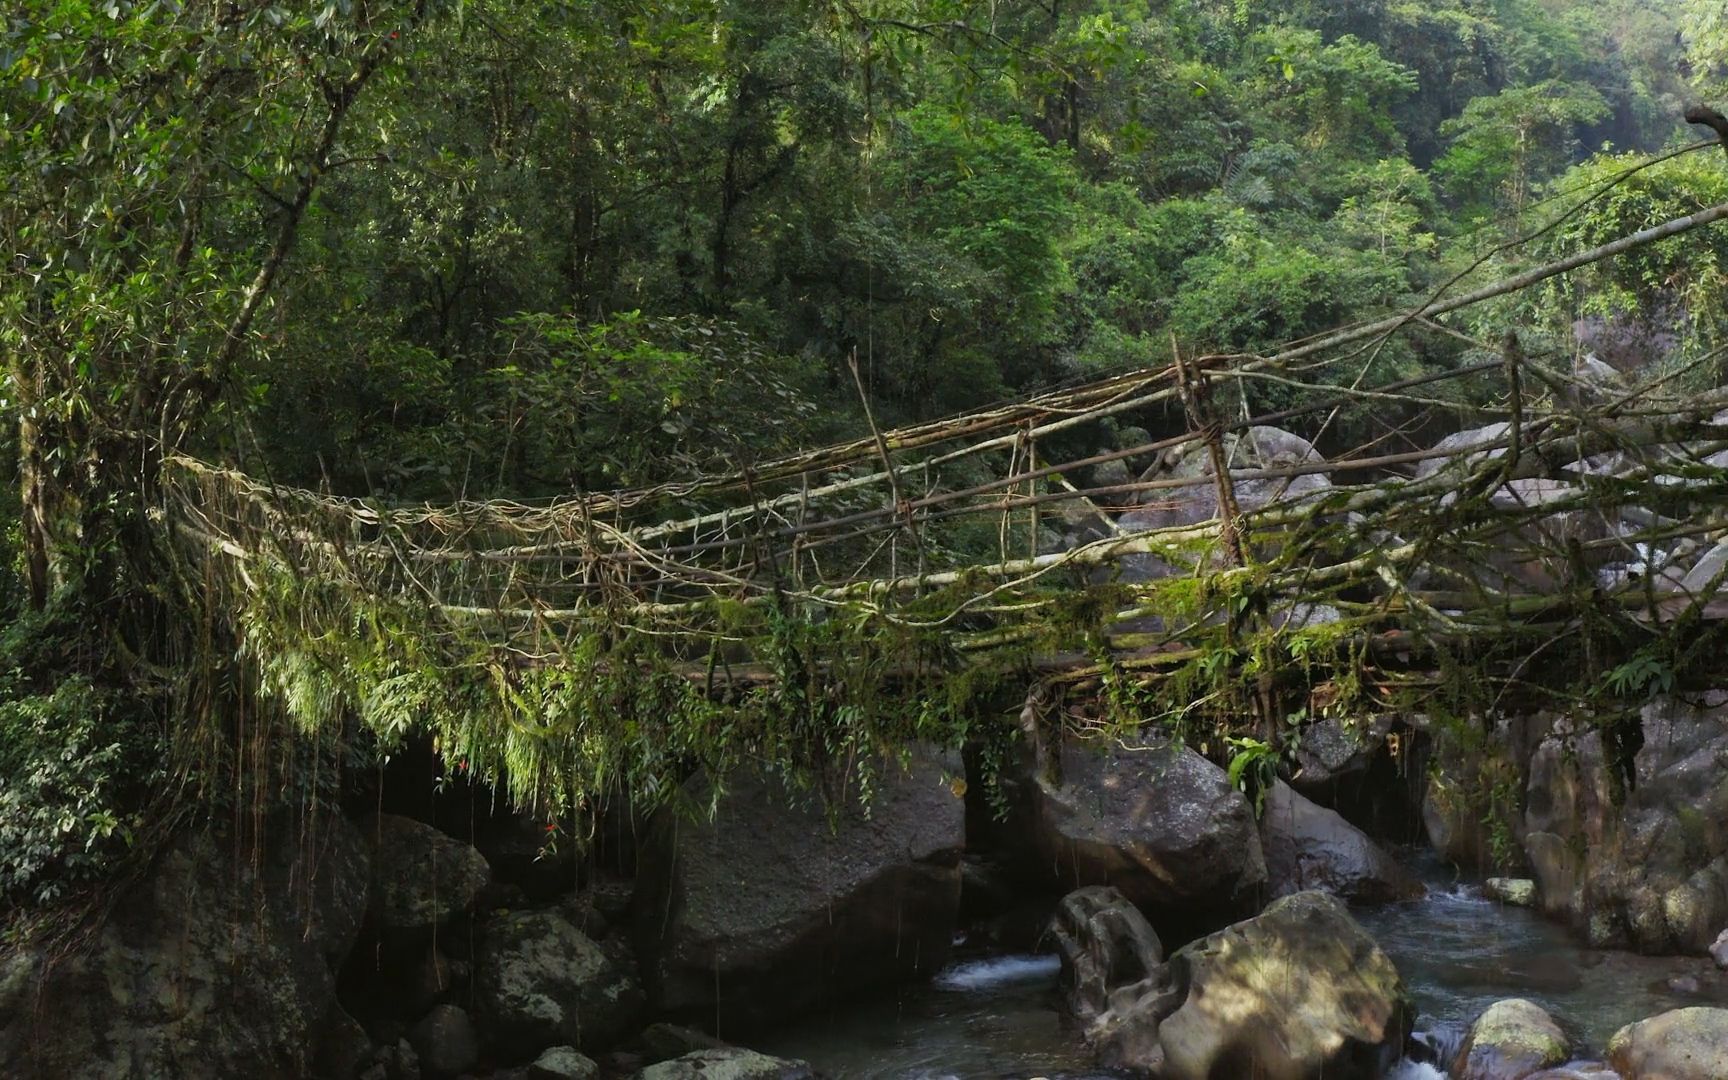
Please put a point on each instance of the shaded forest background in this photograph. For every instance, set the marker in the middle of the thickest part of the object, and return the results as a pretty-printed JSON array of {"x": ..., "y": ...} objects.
[{"x": 512, "y": 248}]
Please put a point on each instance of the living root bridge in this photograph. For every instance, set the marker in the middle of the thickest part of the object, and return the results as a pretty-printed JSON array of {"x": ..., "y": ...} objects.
[{"x": 863, "y": 595}]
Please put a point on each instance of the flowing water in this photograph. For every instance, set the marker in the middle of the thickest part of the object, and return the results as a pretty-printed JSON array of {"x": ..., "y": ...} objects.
[{"x": 1000, "y": 1017}]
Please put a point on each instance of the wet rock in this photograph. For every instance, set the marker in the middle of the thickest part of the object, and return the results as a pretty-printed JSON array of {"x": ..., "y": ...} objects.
[
  {"x": 1518, "y": 892},
  {"x": 1685, "y": 1044},
  {"x": 1113, "y": 974},
  {"x": 1157, "y": 821},
  {"x": 1652, "y": 873},
  {"x": 1719, "y": 950},
  {"x": 1684, "y": 984},
  {"x": 445, "y": 1042},
  {"x": 774, "y": 906},
  {"x": 1309, "y": 847},
  {"x": 1297, "y": 992},
  {"x": 563, "y": 1063},
  {"x": 538, "y": 982},
  {"x": 1509, "y": 1041},
  {"x": 421, "y": 878},
  {"x": 729, "y": 1064},
  {"x": 219, "y": 963}
]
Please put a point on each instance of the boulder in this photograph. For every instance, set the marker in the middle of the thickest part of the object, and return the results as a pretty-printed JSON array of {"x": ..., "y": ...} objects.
[
  {"x": 1105, "y": 944},
  {"x": 1113, "y": 974},
  {"x": 1298, "y": 992},
  {"x": 1196, "y": 499},
  {"x": 539, "y": 982},
  {"x": 1510, "y": 1040},
  {"x": 1652, "y": 873},
  {"x": 421, "y": 878},
  {"x": 1309, "y": 847},
  {"x": 776, "y": 905},
  {"x": 1719, "y": 950},
  {"x": 1333, "y": 749},
  {"x": 1149, "y": 817},
  {"x": 731, "y": 1063},
  {"x": 445, "y": 1042},
  {"x": 1685, "y": 1044},
  {"x": 563, "y": 1063},
  {"x": 220, "y": 962},
  {"x": 1462, "y": 451}
]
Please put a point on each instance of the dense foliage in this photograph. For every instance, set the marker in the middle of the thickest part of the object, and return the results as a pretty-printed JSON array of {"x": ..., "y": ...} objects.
[{"x": 437, "y": 249}]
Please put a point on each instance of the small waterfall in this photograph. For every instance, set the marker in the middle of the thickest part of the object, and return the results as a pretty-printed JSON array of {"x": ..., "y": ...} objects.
[{"x": 997, "y": 971}]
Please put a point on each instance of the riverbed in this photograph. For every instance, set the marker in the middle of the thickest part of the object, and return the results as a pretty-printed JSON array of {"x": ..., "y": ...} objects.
[{"x": 993, "y": 1017}]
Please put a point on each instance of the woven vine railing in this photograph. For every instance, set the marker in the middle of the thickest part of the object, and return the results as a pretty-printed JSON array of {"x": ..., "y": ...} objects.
[{"x": 825, "y": 606}]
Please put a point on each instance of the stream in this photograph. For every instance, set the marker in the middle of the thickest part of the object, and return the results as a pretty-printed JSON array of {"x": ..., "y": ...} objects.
[{"x": 998, "y": 1017}]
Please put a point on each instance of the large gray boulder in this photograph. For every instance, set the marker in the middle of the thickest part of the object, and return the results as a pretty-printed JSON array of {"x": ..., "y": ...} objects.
[
  {"x": 1310, "y": 847},
  {"x": 1299, "y": 992},
  {"x": 1151, "y": 818},
  {"x": 776, "y": 905},
  {"x": 539, "y": 982},
  {"x": 1653, "y": 872},
  {"x": 1511, "y": 1040},
  {"x": 1685, "y": 1044},
  {"x": 1193, "y": 498},
  {"x": 731, "y": 1063},
  {"x": 421, "y": 878},
  {"x": 220, "y": 962}
]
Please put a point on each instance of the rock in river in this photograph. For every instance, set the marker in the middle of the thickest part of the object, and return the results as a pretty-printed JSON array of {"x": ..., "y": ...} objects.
[
  {"x": 1299, "y": 992},
  {"x": 1511, "y": 1040},
  {"x": 1685, "y": 1044}
]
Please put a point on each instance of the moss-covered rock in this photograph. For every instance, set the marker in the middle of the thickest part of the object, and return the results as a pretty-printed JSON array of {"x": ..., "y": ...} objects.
[
  {"x": 539, "y": 982},
  {"x": 1519, "y": 892},
  {"x": 219, "y": 963},
  {"x": 1512, "y": 1039},
  {"x": 728, "y": 1064},
  {"x": 1298, "y": 992}
]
